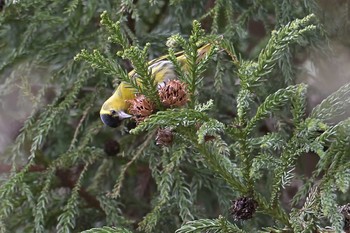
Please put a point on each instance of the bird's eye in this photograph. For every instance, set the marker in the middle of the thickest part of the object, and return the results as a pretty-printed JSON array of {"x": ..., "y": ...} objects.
[{"x": 113, "y": 112}]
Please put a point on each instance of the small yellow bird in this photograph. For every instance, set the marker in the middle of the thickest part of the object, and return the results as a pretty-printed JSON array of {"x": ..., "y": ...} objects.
[{"x": 114, "y": 109}]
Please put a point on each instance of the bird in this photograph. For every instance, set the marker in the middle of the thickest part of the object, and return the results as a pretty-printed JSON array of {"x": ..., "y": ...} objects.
[{"x": 114, "y": 109}]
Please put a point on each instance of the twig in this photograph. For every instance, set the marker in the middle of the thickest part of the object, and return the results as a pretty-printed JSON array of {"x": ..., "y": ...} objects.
[
  {"x": 66, "y": 181},
  {"x": 78, "y": 127},
  {"x": 6, "y": 168}
]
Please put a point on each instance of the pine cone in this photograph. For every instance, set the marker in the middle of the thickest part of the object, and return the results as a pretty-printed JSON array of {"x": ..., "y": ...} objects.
[
  {"x": 243, "y": 208},
  {"x": 164, "y": 137},
  {"x": 140, "y": 108},
  {"x": 173, "y": 94},
  {"x": 111, "y": 147},
  {"x": 345, "y": 210}
]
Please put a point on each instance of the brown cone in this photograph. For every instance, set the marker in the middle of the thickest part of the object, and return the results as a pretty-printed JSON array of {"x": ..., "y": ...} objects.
[
  {"x": 111, "y": 147},
  {"x": 164, "y": 137},
  {"x": 243, "y": 208},
  {"x": 140, "y": 108},
  {"x": 173, "y": 94},
  {"x": 345, "y": 210}
]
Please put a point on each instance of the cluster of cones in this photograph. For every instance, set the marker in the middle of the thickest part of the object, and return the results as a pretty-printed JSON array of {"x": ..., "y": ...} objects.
[{"x": 173, "y": 94}]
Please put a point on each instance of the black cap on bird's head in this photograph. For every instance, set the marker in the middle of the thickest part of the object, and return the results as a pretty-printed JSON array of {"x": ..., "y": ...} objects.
[
  {"x": 113, "y": 118},
  {"x": 111, "y": 121}
]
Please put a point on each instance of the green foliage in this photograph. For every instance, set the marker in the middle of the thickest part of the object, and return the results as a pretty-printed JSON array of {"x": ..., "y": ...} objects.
[
  {"x": 209, "y": 225},
  {"x": 107, "y": 230},
  {"x": 66, "y": 172},
  {"x": 192, "y": 77},
  {"x": 174, "y": 117}
]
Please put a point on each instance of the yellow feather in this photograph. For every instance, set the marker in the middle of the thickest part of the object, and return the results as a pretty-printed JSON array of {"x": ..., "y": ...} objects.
[{"x": 160, "y": 67}]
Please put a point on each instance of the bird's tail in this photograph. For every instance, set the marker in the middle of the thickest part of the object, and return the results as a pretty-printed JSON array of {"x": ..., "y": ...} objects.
[{"x": 201, "y": 53}]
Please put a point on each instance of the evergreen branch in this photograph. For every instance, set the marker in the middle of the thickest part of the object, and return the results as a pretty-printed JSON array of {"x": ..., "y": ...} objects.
[
  {"x": 277, "y": 212},
  {"x": 174, "y": 118},
  {"x": 297, "y": 145},
  {"x": 222, "y": 166},
  {"x": 272, "y": 103},
  {"x": 180, "y": 72},
  {"x": 101, "y": 174},
  {"x": 27, "y": 193},
  {"x": 130, "y": 33},
  {"x": 251, "y": 74},
  {"x": 338, "y": 138},
  {"x": 243, "y": 99},
  {"x": 76, "y": 132},
  {"x": 49, "y": 119},
  {"x": 71, "y": 7},
  {"x": 190, "y": 70},
  {"x": 27, "y": 129},
  {"x": 335, "y": 105},
  {"x": 26, "y": 89},
  {"x": 2, "y": 227},
  {"x": 66, "y": 221},
  {"x": 165, "y": 184},
  {"x": 330, "y": 207},
  {"x": 90, "y": 133},
  {"x": 209, "y": 225},
  {"x": 299, "y": 104},
  {"x": 38, "y": 40},
  {"x": 114, "y": 215},
  {"x": 306, "y": 218},
  {"x": 9, "y": 189},
  {"x": 244, "y": 17},
  {"x": 214, "y": 13},
  {"x": 285, "y": 64},
  {"x": 82, "y": 119},
  {"x": 107, "y": 230},
  {"x": 118, "y": 185},
  {"x": 142, "y": 79},
  {"x": 99, "y": 61},
  {"x": 335, "y": 159},
  {"x": 41, "y": 210},
  {"x": 150, "y": 221},
  {"x": 88, "y": 155},
  {"x": 342, "y": 177},
  {"x": 211, "y": 127},
  {"x": 193, "y": 79},
  {"x": 230, "y": 50},
  {"x": 302, "y": 192},
  {"x": 203, "y": 177},
  {"x": 116, "y": 35},
  {"x": 229, "y": 13},
  {"x": 263, "y": 160},
  {"x": 183, "y": 195},
  {"x": 270, "y": 141},
  {"x": 334, "y": 164}
]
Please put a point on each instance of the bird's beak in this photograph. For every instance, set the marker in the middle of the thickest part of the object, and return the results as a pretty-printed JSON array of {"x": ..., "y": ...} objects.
[
  {"x": 110, "y": 120},
  {"x": 113, "y": 120},
  {"x": 124, "y": 115}
]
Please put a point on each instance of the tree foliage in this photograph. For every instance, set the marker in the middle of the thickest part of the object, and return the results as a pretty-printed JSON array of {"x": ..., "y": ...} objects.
[{"x": 66, "y": 172}]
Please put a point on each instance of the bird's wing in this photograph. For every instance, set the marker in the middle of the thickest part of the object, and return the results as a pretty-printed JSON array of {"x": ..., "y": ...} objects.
[{"x": 180, "y": 57}]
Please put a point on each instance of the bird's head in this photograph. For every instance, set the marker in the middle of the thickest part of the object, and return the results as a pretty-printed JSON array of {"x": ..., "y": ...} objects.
[{"x": 113, "y": 112}]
